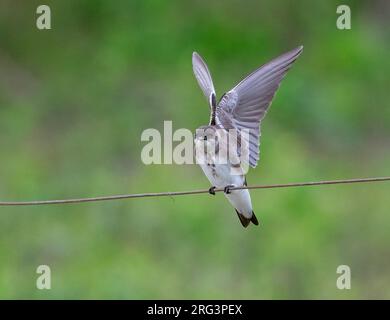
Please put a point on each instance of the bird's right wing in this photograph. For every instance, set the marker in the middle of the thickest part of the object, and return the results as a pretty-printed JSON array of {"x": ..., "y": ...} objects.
[
  {"x": 246, "y": 104},
  {"x": 203, "y": 76}
]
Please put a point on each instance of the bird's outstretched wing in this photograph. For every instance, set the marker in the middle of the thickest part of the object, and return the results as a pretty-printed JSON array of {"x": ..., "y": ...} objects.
[
  {"x": 246, "y": 104},
  {"x": 203, "y": 76}
]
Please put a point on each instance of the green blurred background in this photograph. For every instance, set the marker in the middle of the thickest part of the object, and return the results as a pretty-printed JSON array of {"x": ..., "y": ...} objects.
[{"x": 75, "y": 99}]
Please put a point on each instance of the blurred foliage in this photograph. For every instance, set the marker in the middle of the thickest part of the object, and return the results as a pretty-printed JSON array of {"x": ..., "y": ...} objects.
[{"x": 75, "y": 99}]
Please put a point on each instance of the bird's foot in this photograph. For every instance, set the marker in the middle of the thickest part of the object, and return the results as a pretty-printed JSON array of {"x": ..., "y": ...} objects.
[
  {"x": 212, "y": 190},
  {"x": 227, "y": 188}
]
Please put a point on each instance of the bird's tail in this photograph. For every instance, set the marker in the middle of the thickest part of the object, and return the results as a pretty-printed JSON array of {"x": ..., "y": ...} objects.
[{"x": 245, "y": 221}]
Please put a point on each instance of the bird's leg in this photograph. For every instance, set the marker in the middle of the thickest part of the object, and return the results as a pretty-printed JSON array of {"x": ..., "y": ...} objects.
[
  {"x": 212, "y": 190},
  {"x": 227, "y": 188}
]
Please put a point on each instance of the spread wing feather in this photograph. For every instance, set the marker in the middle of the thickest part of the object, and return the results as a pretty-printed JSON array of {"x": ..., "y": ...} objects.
[
  {"x": 246, "y": 104},
  {"x": 203, "y": 76}
]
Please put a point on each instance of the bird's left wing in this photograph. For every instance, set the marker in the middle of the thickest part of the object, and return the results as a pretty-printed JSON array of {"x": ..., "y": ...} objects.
[
  {"x": 203, "y": 76},
  {"x": 246, "y": 104}
]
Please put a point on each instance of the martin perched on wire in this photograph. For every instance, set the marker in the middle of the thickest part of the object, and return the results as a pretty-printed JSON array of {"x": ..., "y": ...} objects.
[{"x": 241, "y": 109}]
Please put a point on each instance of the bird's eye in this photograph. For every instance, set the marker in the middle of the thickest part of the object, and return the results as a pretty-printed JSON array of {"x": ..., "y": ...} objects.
[{"x": 205, "y": 137}]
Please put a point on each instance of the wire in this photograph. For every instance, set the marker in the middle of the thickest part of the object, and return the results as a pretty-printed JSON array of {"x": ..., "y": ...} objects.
[{"x": 182, "y": 193}]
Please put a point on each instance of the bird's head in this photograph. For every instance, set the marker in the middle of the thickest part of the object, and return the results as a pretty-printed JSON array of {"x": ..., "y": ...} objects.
[
  {"x": 205, "y": 134},
  {"x": 206, "y": 142}
]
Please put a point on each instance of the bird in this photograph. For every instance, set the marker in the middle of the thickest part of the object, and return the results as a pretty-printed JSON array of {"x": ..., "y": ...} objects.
[{"x": 240, "y": 111}]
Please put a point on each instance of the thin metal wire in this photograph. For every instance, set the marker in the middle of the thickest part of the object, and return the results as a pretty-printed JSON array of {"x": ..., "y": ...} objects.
[{"x": 182, "y": 193}]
